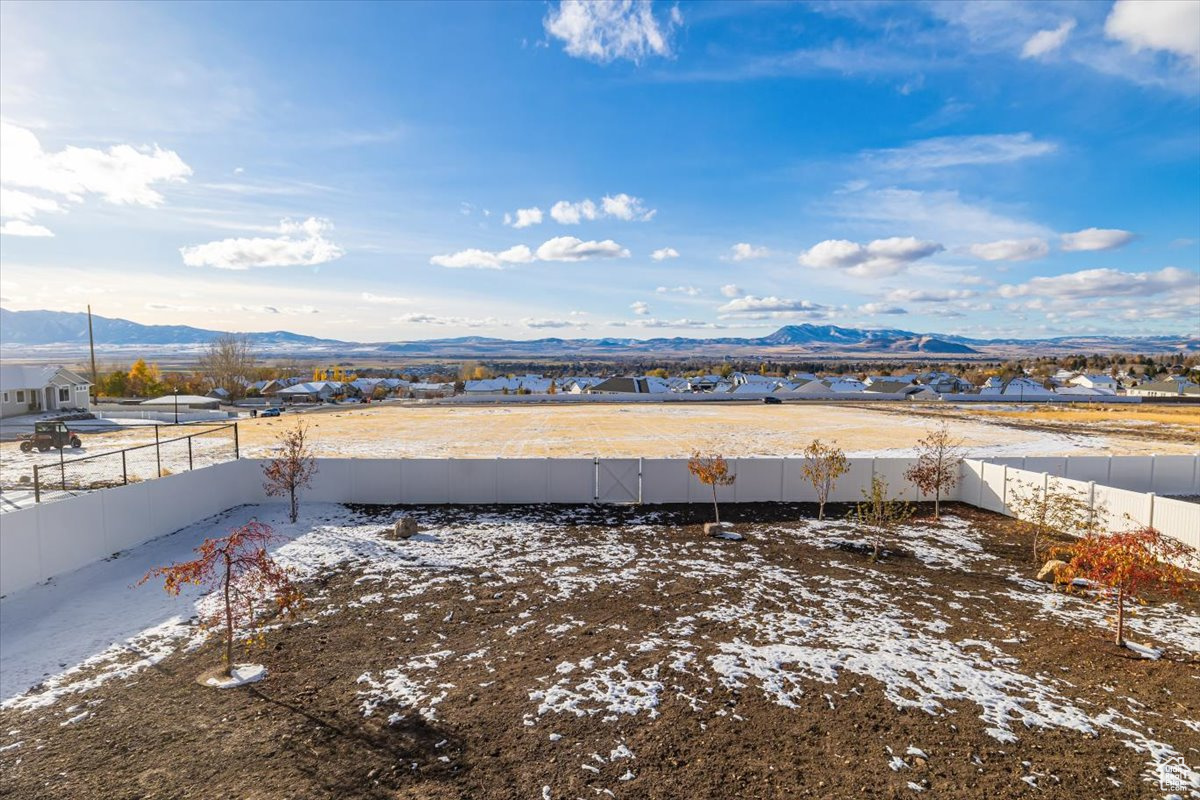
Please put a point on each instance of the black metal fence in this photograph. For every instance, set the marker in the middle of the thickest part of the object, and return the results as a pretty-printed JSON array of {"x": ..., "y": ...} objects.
[{"x": 163, "y": 456}]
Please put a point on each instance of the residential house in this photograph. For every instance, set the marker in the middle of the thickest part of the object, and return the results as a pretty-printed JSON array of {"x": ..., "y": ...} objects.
[
  {"x": 1096, "y": 382},
  {"x": 311, "y": 392},
  {"x": 33, "y": 390},
  {"x": 1175, "y": 386},
  {"x": 884, "y": 386},
  {"x": 426, "y": 391}
]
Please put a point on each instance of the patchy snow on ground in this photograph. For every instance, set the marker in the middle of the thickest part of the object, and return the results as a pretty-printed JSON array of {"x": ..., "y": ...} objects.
[{"x": 781, "y": 631}]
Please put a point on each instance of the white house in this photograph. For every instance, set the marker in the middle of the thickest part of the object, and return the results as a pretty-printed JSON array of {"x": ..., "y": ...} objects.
[
  {"x": 1021, "y": 388},
  {"x": 1096, "y": 382},
  {"x": 35, "y": 390},
  {"x": 1175, "y": 386},
  {"x": 312, "y": 392}
]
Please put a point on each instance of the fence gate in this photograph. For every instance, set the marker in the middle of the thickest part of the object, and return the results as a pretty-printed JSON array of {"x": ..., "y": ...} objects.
[{"x": 618, "y": 480}]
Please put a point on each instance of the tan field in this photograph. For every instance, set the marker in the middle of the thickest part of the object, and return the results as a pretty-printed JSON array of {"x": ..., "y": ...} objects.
[{"x": 732, "y": 429}]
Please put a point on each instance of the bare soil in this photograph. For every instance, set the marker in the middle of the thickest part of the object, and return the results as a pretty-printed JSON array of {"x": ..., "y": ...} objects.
[{"x": 301, "y": 733}]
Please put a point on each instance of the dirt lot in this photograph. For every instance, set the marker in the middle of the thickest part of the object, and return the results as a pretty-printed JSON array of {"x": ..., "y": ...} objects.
[{"x": 561, "y": 653}]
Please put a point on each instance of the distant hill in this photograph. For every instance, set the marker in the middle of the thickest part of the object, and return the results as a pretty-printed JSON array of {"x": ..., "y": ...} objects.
[
  {"x": 64, "y": 327},
  {"x": 62, "y": 331}
]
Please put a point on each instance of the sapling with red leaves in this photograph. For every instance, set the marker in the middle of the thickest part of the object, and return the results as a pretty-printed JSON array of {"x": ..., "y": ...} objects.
[
  {"x": 292, "y": 467},
  {"x": 711, "y": 470},
  {"x": 249, "y": 581},
  {"x": 937, "y": 467},
  {"x": 1124, "y": 566}
]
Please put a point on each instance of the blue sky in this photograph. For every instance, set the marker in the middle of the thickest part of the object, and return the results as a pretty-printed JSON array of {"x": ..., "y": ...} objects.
[{"x": 407, "y": 170}]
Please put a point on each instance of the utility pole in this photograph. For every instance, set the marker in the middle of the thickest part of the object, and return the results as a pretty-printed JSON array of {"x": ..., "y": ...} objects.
[{"x": 92, "y": 347}]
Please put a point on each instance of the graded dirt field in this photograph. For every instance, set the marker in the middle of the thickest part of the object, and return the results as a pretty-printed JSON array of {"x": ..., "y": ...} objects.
[
  {"x": 420, "y": 430},
  {"x": 751, "y": 429}
]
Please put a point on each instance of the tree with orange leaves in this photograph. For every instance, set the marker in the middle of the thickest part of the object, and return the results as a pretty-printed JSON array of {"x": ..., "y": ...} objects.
[
  {"x": 238, "y": 566},
  {"x": 936, "y": 469},
  {"x": 292, "y": 467},
  {"x": 1125, "y": 565},
  {"x": 711, "y": 470}
]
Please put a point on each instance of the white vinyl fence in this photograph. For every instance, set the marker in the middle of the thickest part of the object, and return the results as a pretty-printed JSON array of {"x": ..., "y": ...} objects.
[
  {"x": 53, "y": 538},
  {"x": 991, "y": 485}
]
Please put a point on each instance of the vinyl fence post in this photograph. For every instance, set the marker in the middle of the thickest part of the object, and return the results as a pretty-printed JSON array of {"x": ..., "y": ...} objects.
[
  {"x": 639, "y": 481},
  {"x": 37, "y": 485},
  {"x": 1150, "y": 515},
  {"x": 596, "y": 481},
  {"x": 1004, "y": 490}
]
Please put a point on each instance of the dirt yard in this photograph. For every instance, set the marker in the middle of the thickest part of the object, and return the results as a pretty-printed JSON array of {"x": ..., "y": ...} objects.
[{"x": 584, "y": 652}]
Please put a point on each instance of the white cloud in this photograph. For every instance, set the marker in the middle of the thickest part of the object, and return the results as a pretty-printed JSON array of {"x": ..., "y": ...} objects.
[
  {"x": 19, "y": 227},
  {"x": 1011, "y": 249},
  {"x": 611, "y": 29},
  {"x": 749, "y": 304},
  {"x": 943, "y": 215},
  {"x": 1047, "y": 41},
  {"x": 663, "y": 253},
  {"x": 1105, "y": 283},
  {"x": 640, "y": 308},
  {"x": 690, "y": 291},
  {"x": 473, "y": 258},
  {"x": 626, "y": 207},
  {"x": 524, "y": 217},
  {"x": 567, "y": 213},
  {"x": 368, "y": 297},
  {"x": 664, "y": 323},
  {"x": 23, "y": 205},
  {"x": 1096, "y": 239},
  {"x": 875, "y": 259},
  {"x": 744, "y": 251},
  {"x": 531, "y": 322},
  {"x": 289, "y": 310},
  {"x": 458, "y": 322},
  {"x": 957, "y": 151},
  {"x": 875, "y": 309},
  {"x": 929, "y": 295},
  {"x": 299, "y": 244},
  {"x": 568, "y": 248},
  {"x": 620, "y": 206},
  {"x": 1173, "y": 26},
  {"x": 732, "y": 290},
  {"x": 121, "y": 175}
]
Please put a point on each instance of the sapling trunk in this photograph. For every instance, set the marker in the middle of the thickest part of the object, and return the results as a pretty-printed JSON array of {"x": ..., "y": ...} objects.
[
  {"x": 716, "y": 508},
  {"x": 1120, "y": 617},
  {"x": 228, "y": 619}
]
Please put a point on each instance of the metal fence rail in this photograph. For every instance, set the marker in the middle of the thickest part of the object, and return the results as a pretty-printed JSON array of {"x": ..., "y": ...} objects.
[{"x": 140, "y": 462}]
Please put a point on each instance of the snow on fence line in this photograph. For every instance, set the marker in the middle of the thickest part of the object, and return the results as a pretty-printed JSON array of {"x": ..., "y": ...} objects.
[{"x": 54, "y": 538}]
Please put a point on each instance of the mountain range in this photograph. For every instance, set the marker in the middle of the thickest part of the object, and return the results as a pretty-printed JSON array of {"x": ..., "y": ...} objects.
[{"x": 67, "y": 332}]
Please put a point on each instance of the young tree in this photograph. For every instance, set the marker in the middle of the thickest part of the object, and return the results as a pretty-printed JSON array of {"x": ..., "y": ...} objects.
[
  {"x": 292, "y": 467},
  {"x": 936, "y": 470},
  {"x": 1042, "y": 511},
  {"x": 879, "y": 514},
  {"x": 711, "y": 470},
  {"x": 1125, "y": 565},
  {"x": 238, "y": 566},
  {"x": 823, "y": 465}
]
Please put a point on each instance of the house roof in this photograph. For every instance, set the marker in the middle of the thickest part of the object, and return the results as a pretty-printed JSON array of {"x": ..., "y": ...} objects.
[
  {"x": 183, "y": 400},
  {"x": 22, "y": 377},
  {"x": 883, "y": 386}
]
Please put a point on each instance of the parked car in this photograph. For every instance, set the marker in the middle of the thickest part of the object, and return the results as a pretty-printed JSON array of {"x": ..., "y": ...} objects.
[
  {"x": 772, "y": 401},
  {"x": 270, "y": 412}
]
